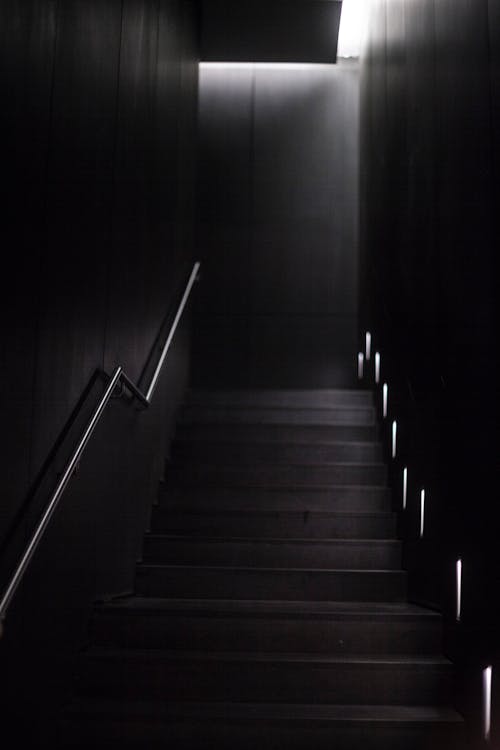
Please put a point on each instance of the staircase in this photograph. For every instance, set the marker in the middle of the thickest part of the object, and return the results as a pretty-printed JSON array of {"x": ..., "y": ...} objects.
[{"x": 270, "y": 607}]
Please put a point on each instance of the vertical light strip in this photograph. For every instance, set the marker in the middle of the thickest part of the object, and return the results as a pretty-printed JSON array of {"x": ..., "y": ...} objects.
[
  {"x": 459, "y": 590},
  {"x": 394, "y": 438},
  {"x": 368, "y": 345},
  {"x": 487, "y": 703},
  {"x": 361, "y": 361},
  {"x": 422, "y": 512},
  {"x": 405, "y": 486},
  {"x": 384, "y": 400},
  {"x": 377, "y": 367}
]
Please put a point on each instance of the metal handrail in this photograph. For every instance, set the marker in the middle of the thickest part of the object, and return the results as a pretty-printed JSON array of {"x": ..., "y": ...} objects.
[
  {"x": 118, "y": 376},
  {"x": 156, "y": 374}
]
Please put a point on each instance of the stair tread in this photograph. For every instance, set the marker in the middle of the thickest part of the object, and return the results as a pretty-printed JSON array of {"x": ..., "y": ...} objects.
[
  {"x": 229, "y": 406},
  {"x": 282, "y": 443},
  {"x": 276, "y": 432},
  {"x": 210, "y": 512},
  {"x": 277, "y": 415},
  {"x": 277, "y": 488},
  {"x": 313, "y": 488},
  {"x": 155, "y": 655},
  {"x": 272, "y": 540},
  {"x": 283, "y": 464},
  {"x": 265, "y": 474},
  {"x": 229, "y": 654},
  {"x": 287, "y": 497},
  {"x": 264, "y": 486},
  {"x": 290, "y": 569},
  {"x": 222, "y": 522},
  {"x": 185, "y": 422},
  {"x": 277, "y": 406},
  {"x": 251, "y": 392},
  {"x": 165, "y": 513},
  {"x": 294, "y": 712},
  {"x": 259, "y": 607}
]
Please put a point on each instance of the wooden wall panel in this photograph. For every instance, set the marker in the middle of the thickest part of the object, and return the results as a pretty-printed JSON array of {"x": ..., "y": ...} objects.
[
  {"x": 99, "y": 155},
  {"x": 27, "y": 40},
  {"x": 430, "y": 188}
]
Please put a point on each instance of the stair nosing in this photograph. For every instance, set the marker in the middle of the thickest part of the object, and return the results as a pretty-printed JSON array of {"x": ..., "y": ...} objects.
[
  {"x": 185, "y": 421},
  {"x": 280, "y": 487},
  {"x": 283, "y": 443},
  {"x": 367, "y": 571},
  {"x": 294, "y": 712},
  {"x": 236, "y": 485},
  {"x": 315, "y": 541},
  {"x": 260, "y": 607},
  {"x": 213, "y": 512},
  {"x": 265, "y": 657},
  {"x": 311, "y": 465},
  {"x": 231, "y": 406}
]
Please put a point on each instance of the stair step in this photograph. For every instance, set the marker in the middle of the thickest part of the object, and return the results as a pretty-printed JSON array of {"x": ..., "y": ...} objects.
[
  {"x": 338, "y": 498},
  {"x": 316, "y": 524},
  {"x": 263, "y": 475},
  {"x": 289, "y": 433},
  {"x": 273, "y": 452},
  {"x": 319, "y": 398},
  {"x": 273, "y": 552},
  {"x": 348, "y": 415},
  {"x": 221, "y": 625},
  {"x": 212, "y": 582},
  {"x": 294, "y": 677},
  {"x": 120, "y": 723},
  {"x": 270, "y": 608}
]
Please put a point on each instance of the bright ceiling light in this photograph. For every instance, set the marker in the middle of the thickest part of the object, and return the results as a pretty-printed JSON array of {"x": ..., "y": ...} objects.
[
  {"x": 352, "y": 27},
  {"x": 261, "y": 66}
]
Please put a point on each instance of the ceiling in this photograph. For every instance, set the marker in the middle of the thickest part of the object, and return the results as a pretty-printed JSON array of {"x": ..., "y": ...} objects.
[{"x": 270, "y": 30}]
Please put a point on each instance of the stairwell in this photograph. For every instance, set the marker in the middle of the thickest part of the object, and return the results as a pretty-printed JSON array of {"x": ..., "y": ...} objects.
[{"x": 270, "y": 607}]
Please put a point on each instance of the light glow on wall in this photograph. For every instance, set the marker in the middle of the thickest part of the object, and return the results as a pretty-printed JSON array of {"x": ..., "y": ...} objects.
[
  {"x": 487, "y": 703},
  {"x": 422, "y": 512},
  {"x": 368, "y": 345},
  {"x": 361, "y": 361},
  {"x": 405, "y": 486},
  {"x": 394, "y": 438},
  {"x": 377, "y": 367},
  {"x": 459, "y": 590},
  {"x": 352, "y": 28},
  {"x": 384, "y": 400}
]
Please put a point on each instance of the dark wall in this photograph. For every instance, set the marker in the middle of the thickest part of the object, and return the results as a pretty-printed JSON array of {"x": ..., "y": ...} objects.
[
  {"x": 98, "y": 158},
  {"x": 277, "y": 225},
  {"x": 430, "y": 233}
]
